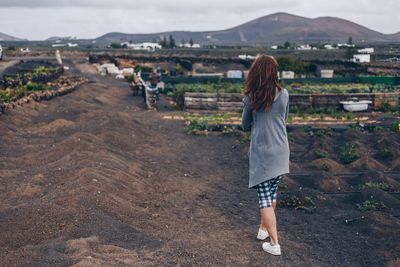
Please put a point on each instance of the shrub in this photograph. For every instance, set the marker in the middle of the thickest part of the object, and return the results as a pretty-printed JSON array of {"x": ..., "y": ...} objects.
[
  {"x": 385, "y": 153},
  {"x": 370, "y": 205},
  {"x": 320, "y": 153},
  {"x": 36, "y": 87},
  {"x": 348, "y": 153},
  {"x": 386, "y": 107},
  {"x": 197, "y": 125},
  {"x": 375, "y": 185},
  {"x": 396, "y": 126}
]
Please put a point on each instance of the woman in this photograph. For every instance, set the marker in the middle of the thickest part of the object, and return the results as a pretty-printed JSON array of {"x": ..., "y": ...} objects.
[{"x": 265, "y": 112}]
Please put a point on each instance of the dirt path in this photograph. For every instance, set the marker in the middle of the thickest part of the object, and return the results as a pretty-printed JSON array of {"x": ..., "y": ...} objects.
[{"x": 93, "y": 179}]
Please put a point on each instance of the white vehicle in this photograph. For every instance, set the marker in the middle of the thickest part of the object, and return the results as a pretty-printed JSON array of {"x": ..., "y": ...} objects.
[{"x": 1, "y": 53}]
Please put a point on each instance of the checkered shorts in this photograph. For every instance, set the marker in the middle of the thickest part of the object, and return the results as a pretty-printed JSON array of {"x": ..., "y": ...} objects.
[{"x": 267, "y": 192}]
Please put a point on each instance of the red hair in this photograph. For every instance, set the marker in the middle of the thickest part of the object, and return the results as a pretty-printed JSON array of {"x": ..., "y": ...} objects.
[{"x": 262, "y": 82}]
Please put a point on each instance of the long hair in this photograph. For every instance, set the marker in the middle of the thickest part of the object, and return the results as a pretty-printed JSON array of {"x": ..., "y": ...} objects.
[{"x": 262, "y": 82}]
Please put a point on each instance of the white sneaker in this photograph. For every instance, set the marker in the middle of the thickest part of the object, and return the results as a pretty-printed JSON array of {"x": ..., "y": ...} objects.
[
  {"x": 274, "y": 250},
  {"x": 262, "y": 234}
]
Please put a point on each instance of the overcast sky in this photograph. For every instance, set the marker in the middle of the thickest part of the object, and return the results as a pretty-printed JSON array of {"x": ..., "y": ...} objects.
[{"x": 40, "y": 19}]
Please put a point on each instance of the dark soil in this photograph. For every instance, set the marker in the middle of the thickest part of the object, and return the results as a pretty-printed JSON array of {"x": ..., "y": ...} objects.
[{"x": 93, "y": 179}]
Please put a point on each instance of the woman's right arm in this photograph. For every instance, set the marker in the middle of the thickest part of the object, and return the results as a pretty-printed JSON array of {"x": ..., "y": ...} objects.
[{"x": 247, "y": 116}]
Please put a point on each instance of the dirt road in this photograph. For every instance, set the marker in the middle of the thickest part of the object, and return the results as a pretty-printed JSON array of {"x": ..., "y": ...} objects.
[{"x": 93, "y": 179}]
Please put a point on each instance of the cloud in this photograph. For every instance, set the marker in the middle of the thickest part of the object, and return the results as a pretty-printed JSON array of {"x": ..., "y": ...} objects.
[{"x": 90, "y": 18}]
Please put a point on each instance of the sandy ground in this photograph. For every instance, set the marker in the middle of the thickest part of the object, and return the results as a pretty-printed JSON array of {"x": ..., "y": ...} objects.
[{"x": 93, "y": 179}]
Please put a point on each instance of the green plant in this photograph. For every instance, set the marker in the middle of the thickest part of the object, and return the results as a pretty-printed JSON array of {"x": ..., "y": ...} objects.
[
  {"x": 386, "y": 107},
  {"x": 348, "y": 153},
  {"x": 368, "y": 205},
  {"x": 306, "y": 128},
  {"x": 396, "y": 126},
  {"x": 321, "y": 133},
  {"x": 197, "y": 124},
  {"x": 290, "y": 138},
  {"x": 6, "y": 96},
  {"x": 299, "y": 202},
  {"x": 385, "y": 153},
  {"x": 320, "y": 153},
  {"x": 246, "y": 138},
  {"x": 36, "y": 87},
  {"x": 201, "y": 123},
  {"x": 349, "y": 116},
  {"x": 375, "y": 185}
]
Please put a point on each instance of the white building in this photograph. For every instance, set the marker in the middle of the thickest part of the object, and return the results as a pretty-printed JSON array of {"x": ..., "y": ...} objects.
[
  {"x": 369, "y": 50},
  {"x": 327, "y": 73},
  {"x": 329, "y": 47},
  {"x": 142, "y": 46},
  {"x": 234, "y": 74},
  {"x": 1, "y": 52},
  {"x": 287, "y": 75},
  {"x": 188, "y": 45},
  {"x": 25, "y": 50},
  {"x": 275, "y": 47},
  {"x": 246, "y": 57},
  {"x": 304, "y": 47},
  {"x": 346, "y": 45},
  {"x": 362, "y": 58},
  {"x": 58, "y": 45}
]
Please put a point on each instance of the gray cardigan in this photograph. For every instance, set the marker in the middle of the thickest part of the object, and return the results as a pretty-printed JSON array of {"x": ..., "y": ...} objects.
[{"x": 269, "y": 147}]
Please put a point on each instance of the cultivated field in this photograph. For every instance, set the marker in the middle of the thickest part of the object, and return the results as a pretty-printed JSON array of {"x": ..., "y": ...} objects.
[{"x": 94, "y": 179}]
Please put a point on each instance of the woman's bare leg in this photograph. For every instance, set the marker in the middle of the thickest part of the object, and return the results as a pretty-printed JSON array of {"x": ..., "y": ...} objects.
[
  {"x": 262, "y": 221},
  {"x": 268, "y": 219}
]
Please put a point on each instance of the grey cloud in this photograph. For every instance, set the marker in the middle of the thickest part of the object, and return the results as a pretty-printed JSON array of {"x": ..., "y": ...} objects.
[{"x": 90, "y": 18}]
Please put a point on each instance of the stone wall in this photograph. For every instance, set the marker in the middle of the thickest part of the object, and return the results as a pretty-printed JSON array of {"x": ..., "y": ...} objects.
[{"x": 233, "y": 102}]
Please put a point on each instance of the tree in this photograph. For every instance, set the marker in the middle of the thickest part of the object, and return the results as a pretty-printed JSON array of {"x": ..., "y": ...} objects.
[
  {"x": 350, "y": 40},
  {"x": 191, "y": 42},
  {"x": 350, "y": 52},
  {"x": 171, "y": 41},
  {"x": 286, "y": 45},
  {"x": 163, "y": 42},
  {"x": 115, "y": 45}
]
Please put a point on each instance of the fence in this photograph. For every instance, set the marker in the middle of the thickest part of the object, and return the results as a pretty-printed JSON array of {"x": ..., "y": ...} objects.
[{"x": 225, "y": 102}]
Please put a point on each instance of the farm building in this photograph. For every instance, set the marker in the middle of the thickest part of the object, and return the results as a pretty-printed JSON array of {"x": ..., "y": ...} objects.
[
  {"x": 234, "y": 74},
  {"x": 327, "y": 73},
  {"x": 362, "y": 58},
  {"x": 188, "y": 45},
  {"x": 142, "y": 46},
  {"x": 366, "y": 50},
  {"x": 287, "y": 75}
]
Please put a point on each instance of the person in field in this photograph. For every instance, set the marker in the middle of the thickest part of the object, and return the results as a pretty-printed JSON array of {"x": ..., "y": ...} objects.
[{"x": 266, "y": 107}]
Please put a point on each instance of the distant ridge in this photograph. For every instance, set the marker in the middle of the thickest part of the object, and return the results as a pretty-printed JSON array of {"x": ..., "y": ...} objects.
[
  {"x": 6, "y": 37},
  {"x": 272, "y": 29}
]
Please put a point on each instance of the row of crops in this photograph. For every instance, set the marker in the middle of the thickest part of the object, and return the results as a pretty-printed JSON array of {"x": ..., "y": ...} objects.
[{"x": 13, "y": 87}]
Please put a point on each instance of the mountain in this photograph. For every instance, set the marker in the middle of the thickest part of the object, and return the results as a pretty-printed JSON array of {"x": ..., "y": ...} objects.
[
  {"x": 6, "y": 37},
  {"x": 272, "y": 29}
]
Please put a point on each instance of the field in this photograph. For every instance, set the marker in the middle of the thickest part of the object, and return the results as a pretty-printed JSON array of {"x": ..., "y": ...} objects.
[{"x": 94, "y": 179}]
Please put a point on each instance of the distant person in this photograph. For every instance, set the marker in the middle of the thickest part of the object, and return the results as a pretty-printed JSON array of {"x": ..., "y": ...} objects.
[
  {"x": 266, "y": 106},
  {"x": 159, "y": 74},
  {"x": 153, "y": 79}
]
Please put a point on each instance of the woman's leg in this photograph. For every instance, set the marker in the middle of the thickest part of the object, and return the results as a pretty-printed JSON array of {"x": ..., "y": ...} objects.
[
  {"x": 262, "y": 221},
  {"x": 269, "y": 223},
  {"x": 267, "y": 193}
]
